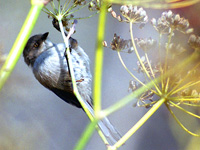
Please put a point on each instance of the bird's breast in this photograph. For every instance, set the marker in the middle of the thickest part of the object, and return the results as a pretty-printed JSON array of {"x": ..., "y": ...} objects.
[{"x": 51, "y": 70}]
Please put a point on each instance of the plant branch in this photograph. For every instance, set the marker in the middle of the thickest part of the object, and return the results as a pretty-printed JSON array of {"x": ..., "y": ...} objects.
[
  {"x": 177, "y": 120},
  {"x": 20, "y": 41},
  {"x": 138, "y": 56},
  {"x": 99, "y": 59},
  {"x": 139, "y": 123},
  {"x": 86, "y": 136}
]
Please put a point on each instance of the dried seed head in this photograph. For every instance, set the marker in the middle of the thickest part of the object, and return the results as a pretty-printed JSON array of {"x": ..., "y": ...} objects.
[
  {"x": 133, "y": 14},
  {"x": 175, "y": 49},
  {"x": 146, "y": 44},
  {"x": 80, "y": 2},
  {"x": 160, "y": 25},
  {"x": 169, "y": 22},
  {"x": 120, "y": 44},
  {"x": 94, "y": 6},
  {"x": 194, "y": 42},
  {"x": 132, "y": 86}
]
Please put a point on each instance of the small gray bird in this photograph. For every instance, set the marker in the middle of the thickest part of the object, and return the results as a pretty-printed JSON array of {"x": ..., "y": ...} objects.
[{"x": 49, "y": 65}]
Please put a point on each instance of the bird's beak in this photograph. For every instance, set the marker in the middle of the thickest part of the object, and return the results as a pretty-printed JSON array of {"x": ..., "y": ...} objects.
[{"x": 44, "y": 36}]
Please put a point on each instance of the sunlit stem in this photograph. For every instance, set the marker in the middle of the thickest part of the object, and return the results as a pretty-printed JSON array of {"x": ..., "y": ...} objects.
[
  {"x": 138, "y": 56},
  {"x": 193, "y": 105},
  {"x": 47, "y": 11},
  {"x": 99, "y": 59},
  {"x": 151, "y": 70},
  {"x": 86, "y": 136},
  {"x": 166, "y": 59},
  {"x": 65, "y": 6},
  {"x": 186, "y": 111},
  {"x": 149, "y": 64},
  {"x": 75, "y": 89},
  {"x": 189, "y": 84},
  {"x": 124, "y": 65},
  {"x": 53, "y": 6},
  {"x": 76, "y": 9},
  {"x": 99, "y": 63},
  {"x": 176, "y": 89},
  {"x": 20, "y": 42},
  {"x": 160, "y": 61},
  {"x": 167, "y": 84},
  {"x": 127, "y": 99},
  {"x": 139, "y": 123},
  {"x": 184, "y": 99},
  {"x": 184, "y": 128}
]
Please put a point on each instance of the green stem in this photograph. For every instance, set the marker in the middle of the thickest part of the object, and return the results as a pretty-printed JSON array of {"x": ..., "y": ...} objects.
[
  {"x": 184, "y": 110},
  {"x": 20, "y": 42},
  {"x": 75, "y": 89},
  {"x": 139, "y": 123},
  {"x": 69, "y": 62},
  {"x": 151, "y": 70},
  {"x": 86, "y": 136},
  {"x": 181, "y": 85},
  {"x": 127, "y": 99},
  {"x": 167, "y": 49},
  {"x": 124, "y": 65},
  {"x": 65, "y": 6},
  {"x": 177, "y": 120},
  {"x": 99, "y": 59},
  {"x": 138, "y": 56}
]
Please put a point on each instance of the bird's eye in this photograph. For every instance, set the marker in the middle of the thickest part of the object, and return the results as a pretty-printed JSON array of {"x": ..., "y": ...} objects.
[{"x": 35, "y": 45}]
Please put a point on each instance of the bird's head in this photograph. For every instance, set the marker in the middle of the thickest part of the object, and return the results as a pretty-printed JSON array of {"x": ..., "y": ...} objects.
[{"x": 35, "y": 46}]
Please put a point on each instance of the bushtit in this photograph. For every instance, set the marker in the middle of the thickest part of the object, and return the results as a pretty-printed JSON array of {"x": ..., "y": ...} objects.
[{"x": 49, "y": 65}]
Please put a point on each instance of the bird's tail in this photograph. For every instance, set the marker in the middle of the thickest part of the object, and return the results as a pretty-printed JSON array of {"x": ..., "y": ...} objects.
[{"x": 109, "y": 131}]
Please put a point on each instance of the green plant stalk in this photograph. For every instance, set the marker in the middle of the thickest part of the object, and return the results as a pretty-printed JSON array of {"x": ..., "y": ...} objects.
[
  {"x": 124, "y": 65},
  {"x": 184, "y": 110},
  {"x": 139, "y": 59},
  {"x": 76, "y": 9},
  {"x": 20, "y": 42},
  {"x": 142, "y": 89},
  {"x": 99, "y": 59},
  {"x": 127, "y": 99},
  {"x": 86, "y": 136},
  {"x": 166, "y": 59},
  {"x": 139, "y": 123},
  {"x": 179, "y": 123},
  {"x": 150, "y": 67},
  {"x": 75, "y": 89},
  {"x": 176, "y": 87}
]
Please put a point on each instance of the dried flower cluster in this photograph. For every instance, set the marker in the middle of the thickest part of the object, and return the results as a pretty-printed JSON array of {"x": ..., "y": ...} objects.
[
  {"x": 175, "y": 72},
  {"x": 146, "y": 44},
  {"x": 175, "y": 49},
  {"x": 145, "y": 97},
  {"x": 131, "y": 14},
  {"x": 68, "y": 9},
  {"x": 168, "y": 22},
  {"x": 134, "y": 14},
  {"x": 79, "y": 2},
  {"x": 194, "y": 42},
  {"x": 120, "y": 44},
  {"x": 94, "y": 5}
]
